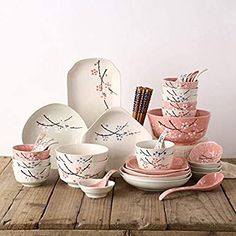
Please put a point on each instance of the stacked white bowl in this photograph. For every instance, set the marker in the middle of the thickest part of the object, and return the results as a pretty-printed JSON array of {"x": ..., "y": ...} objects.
[
  {"x": 81, "y": 161},
  {"x": 30, "y": 168}
]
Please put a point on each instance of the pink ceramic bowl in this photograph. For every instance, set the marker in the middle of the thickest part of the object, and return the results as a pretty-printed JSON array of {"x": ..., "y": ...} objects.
[
  {"x": 182, "y": 130},
  {"x": 179, "y": 105},
  {"x": 23, "y": 152},
  {"x": 173, "y": 83}
]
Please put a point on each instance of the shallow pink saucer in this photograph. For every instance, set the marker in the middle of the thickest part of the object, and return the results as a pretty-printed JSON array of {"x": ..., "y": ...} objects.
[
  {"x": 178, "y": 164},
  {"x": 206, "y": 152},
  {"x": 174, "y": 174}
]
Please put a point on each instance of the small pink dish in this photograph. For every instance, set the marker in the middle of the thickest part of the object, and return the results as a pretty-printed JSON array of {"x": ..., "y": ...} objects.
[
  {"x": 179, "y": 105},
  {"x": 23, "y": 153},
  {"x": 206, "y": 152},
  {"x": 183, "y": 130},
  {"x": 178, "y": 164},
  {"x": 174, "y": 83}
]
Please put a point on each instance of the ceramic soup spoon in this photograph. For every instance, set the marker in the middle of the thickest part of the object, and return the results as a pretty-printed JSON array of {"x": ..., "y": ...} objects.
[
  {"x": 161, "y": 139},
  {"x": 104, "y": 180},
  {"x": 207, "y": 182},
  {"x": 43, "y": 142}
]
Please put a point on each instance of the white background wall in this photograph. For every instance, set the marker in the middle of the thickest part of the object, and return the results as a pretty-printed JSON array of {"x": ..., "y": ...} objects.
[{"x": 146, "y": 39}]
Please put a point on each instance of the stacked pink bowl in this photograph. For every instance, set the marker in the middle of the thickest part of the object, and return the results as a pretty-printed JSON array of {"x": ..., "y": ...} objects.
[{"x": 205, "y": 158}]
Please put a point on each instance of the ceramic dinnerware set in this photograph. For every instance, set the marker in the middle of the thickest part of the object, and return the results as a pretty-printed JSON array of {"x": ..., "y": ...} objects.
[{"x": 94, "y": 134}]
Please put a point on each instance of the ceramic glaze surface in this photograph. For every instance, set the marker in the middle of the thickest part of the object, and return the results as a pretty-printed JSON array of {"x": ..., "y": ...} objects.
[
  {"x": 118, "y": 131},
  {"x": 150, "y": 158},
  {"x": 206, "y": 152},
  {"x": 59, "y": 122},
  {"x": 93, "y": 87},
  {"x": 179, "y": 105},
  {"x": 74, "y": 167},
  {"x": 184, "y": 130}
]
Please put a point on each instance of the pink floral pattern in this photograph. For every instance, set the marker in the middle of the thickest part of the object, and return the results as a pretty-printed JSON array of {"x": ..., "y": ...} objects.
[{"x": 104, "y": 88}]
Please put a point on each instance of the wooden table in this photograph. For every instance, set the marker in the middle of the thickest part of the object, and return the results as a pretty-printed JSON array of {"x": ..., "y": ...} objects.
[{"x": 57, "y": 209}]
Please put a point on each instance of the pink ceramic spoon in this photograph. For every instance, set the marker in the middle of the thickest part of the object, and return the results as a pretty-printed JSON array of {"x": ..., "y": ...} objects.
[
  {"x": 104, "y": 180},
  {"x": 207, "y": 182}
]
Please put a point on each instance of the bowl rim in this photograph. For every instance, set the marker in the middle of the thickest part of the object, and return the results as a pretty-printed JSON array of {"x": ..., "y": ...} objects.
[
  {"x": 174, "y": 80},
  {"x": 58, "y": 149},
  {"x": 141, "y": 144},
  {"x": 15, "y": 149},
  {"x": 150, "y": 113}
]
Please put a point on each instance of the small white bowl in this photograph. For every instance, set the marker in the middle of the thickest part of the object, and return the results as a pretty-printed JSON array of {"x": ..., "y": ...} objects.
[
  {"x": 31, "y": 177},
  {"x": 178, "y": 113},
  {"x": 95, "y": 192},
  {"x": 150, "y": 158},
  {"x": 31, "y": 164}
]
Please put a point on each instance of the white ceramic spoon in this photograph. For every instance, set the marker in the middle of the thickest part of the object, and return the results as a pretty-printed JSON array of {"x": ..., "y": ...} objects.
[
  {"x": 161, "y": 139},
  {"x": 207, "y": 182}
]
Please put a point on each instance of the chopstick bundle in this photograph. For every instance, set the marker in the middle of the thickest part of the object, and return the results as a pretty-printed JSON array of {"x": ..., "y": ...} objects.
[{"x": 141, "y": 102}]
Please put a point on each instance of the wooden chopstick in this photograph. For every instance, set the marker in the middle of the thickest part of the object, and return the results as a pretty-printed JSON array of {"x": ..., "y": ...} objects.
[{"x": 137, "y": 99}]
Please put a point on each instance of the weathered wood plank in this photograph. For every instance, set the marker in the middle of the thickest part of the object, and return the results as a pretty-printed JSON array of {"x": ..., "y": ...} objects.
[
  {"x": 200, "y": 211},
  {"x": 29, "y": 205},
  {"x": 95, "y": 213},
  {"x": 136, "y": 209},
  {"x": 62, "y": 233},
  {"x": 180, "y": 233},
  {"x": 230, "y": 191},
  {"x": 63, "y": 208},
  {"x": 4, "y": 162},
  {"x": 9, "y": 189}
]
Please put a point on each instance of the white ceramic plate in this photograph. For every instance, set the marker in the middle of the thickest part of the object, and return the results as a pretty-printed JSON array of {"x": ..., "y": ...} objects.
[
  {"x": 148, "y": 184},
  {"x": 93, "y": 87},
  {"x": 57, "y": 120},
  {"x": 119, "y": 131}
]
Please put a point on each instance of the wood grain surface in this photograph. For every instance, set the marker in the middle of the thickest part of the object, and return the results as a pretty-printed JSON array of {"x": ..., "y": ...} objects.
[
  {"x": 57, "y": 209},
  {"x": 63, "y": 208},
  {"x": 29, "y": 205},
  {"x": 136, "y": 209}
]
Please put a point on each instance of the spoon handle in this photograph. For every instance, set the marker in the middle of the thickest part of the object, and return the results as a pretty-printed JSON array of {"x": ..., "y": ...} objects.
[
  {"x": 109, "y": 174},
  {"x": 172, "y": 190}
]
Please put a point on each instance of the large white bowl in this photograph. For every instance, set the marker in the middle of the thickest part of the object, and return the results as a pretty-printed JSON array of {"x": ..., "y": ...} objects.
[
  {"x": 95, "y": 192},
  {"x": 81, "y": 161},
  {"x": 148, "y": 184},
  {"x": 31, "y": 177}
]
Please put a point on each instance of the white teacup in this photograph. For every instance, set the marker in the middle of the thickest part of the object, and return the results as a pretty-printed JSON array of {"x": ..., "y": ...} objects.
[{"x": 150, "y": 158}]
